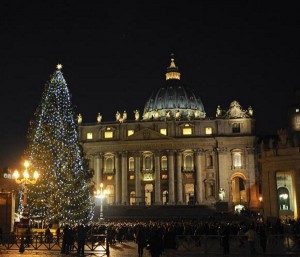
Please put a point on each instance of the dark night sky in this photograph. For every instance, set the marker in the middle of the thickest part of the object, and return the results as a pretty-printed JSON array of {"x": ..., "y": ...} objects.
[{"x": 116, "y": 53}]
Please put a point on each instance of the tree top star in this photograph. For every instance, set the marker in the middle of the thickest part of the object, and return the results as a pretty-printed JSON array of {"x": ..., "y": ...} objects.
[{"x": 59, "y": 66}]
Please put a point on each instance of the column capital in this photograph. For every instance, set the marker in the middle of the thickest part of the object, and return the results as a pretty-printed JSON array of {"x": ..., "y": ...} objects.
[
  {"x": 170, "y": 152},
  {"x": 157, "y": 153},
  {"x": 97, "y": 154},
  {"x": 137, "y": 154},
  {"x": 221, "y": 150},
  {"x": 199, "y": 151},
  {"x": 250, "y": 150},
  {"x": 124, "y": 153}
]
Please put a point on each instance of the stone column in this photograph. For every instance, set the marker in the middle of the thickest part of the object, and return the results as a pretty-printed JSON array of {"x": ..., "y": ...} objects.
[
  {"x": 137, "y": 167},
  {"x": 179, "y": 178},
  {"x": 98, "y": 169},
  {"x": 200, "y": 162},
  {"x": 157, "y": 179},
  {"x": 224, "y": 180},
  {"x": 171, "y": 176},
  {"x": 117, "y": 180},
  {"x": 124, "y": 179},
  {"x": 253, "y": 189}
]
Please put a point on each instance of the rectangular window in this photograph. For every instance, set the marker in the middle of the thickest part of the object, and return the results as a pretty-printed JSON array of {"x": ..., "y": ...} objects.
[
  {"x": 163, "y": 131},
  {"x": 130, "y": 132},
  {"x": 236, "y": 128},
  {"x": 164, "y": 176},
  {"x": 187, "y": 131},
  {"x": 208, "y": 131},
  {"x": 108, "y": 134},
  {"x": 89, "y": 135}
]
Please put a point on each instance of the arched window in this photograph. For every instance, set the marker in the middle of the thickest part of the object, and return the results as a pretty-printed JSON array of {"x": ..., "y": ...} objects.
[
  {"x": 148, "y": 163},
  {"x": 131, "y": 164},
  {"x": 109, "y": 164},
  {"x": 237, "y": 160},
  {"x": 188, "y": 162},
  {"x": 164, "y": 163}
]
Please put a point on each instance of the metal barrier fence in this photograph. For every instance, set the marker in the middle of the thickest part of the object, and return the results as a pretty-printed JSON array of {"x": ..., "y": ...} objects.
[
  {"x": 94, "y": 242},
  {"x": 211, "y": 244},
  {"x": 200, "y": 244}
]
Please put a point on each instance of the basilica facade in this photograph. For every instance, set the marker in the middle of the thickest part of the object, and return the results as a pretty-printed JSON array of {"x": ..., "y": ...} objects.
[{"x": 171, "y": 153}]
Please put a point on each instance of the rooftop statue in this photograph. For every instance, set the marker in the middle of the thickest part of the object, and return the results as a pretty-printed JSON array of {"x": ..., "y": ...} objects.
[{"x": 79, "y": 118}]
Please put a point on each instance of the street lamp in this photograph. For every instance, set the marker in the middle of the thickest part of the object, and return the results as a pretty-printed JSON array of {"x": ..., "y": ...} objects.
[
  {"x": 261, "y": 206},
  {"x": 101, "y": 194},
  {"x": 25, "y": 180}
]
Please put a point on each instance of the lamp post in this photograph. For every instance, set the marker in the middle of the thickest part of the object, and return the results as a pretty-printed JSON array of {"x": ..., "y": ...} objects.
[
  {"x": 101, "y": 194},
  {"x": 25, "y": 180},
  {"x": 261, "y": 205}
]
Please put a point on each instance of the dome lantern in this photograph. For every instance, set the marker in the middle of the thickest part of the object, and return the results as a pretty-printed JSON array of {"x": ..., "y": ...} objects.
[{"x": 172, "y": 70}]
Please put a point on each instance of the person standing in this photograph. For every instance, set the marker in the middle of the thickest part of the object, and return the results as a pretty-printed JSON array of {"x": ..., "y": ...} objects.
[
  {"x": 155, "y": 244},
  {"x": 263, "y": 238},
  {"x": 251, "y": 234},
  {"x": 66, "y": 240},
  {"x": 81, "y": 237},
  {"x": 141, "y": 240}
]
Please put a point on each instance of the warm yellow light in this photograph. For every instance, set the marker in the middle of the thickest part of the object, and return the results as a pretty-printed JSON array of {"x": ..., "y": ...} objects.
[
  {"x": 26, "y": 174},
  {"x": 16, "y": 174},
  {"x": 36, "y": 175},
  {"x": 26, "y": 164},
  {"x": 59, "y": 66},
  {"x": 260, "y": 198},
  {"x": 101, "y": 185}
]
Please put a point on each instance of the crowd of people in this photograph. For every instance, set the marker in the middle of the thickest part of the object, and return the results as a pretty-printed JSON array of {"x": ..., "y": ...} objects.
[{"x": 159, "y": 236}]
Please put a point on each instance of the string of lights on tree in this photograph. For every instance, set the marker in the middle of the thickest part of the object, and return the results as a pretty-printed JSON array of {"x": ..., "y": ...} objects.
[{"x": 62, "y": 194}]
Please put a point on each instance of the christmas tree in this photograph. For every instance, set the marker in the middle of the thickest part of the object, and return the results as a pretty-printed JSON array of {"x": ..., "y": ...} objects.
[{"x": 62, "y": 193}]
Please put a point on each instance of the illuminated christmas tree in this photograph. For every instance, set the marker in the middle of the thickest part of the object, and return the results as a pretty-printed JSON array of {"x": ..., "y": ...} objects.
[{"x": 62, "y": 193}]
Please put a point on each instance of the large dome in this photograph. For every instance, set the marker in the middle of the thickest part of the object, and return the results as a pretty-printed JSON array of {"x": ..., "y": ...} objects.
[{"x": 174, "y": 100}]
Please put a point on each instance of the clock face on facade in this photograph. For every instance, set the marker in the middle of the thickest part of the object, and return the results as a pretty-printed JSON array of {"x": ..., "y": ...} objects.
[{"x": 296, "y": 122}]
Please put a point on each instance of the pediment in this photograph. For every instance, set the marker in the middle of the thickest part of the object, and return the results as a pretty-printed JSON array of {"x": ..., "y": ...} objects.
[{"x": 147, "y": 134}]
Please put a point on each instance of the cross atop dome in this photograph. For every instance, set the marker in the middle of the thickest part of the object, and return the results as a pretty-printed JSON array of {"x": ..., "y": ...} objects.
[{"x": 172, "y": 70}]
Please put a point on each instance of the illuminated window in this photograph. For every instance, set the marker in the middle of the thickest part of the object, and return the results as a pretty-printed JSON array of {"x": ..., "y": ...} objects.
[
  {"x": 108, "y": 134},
  {"x": 208, "y": 131},
  {"x": 131, "y": 177},
  {"x": 148, "y": 177},
  {"x": 109, "y": 177},
  {"x": 131, "y": 164},
  {"x": 164, "y": 176},
  {"x": 163, "y": 131},
  {"x": 187, "y": 131},
  {"x": 164, "y": 163},
  {"x": 237, "y": 160},
  {"x": 89, "y": 135},
  {"x": 108, "y": 165},
  {"x": 130, "y": 132}
]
